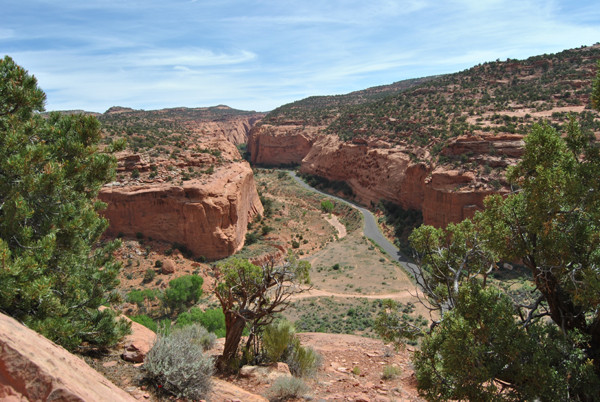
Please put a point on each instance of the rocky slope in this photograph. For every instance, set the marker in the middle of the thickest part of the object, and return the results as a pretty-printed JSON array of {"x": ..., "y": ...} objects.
[
  {"x": 439, "y": 147},
  {"x": 203, "y": 199}
]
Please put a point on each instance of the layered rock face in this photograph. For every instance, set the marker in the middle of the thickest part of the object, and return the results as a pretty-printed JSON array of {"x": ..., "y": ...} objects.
[
  {"x": 281, "y": 145},
  {"x": 208, "y": 212},
  {"x": 209, "y": 217},
  {"x": 376, "y": 170},
  {"x": 234, "y": 129},
  {"x": 32, "y": 368}
]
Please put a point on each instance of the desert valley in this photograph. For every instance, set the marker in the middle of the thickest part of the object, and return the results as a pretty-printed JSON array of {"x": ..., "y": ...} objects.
[{"x": 197, "y": 189}]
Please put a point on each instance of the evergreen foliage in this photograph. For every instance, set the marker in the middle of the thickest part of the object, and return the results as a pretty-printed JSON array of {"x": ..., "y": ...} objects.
[
  {"x": 490, "y": 344},
  {"x": 182, "y": 291},
  {"x": 54, "y": 272}
]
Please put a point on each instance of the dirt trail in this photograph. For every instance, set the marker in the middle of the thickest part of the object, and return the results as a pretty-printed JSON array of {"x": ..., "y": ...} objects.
[
  {"x": 324, "y": 293},
  {"x": 339, "y": 226}
]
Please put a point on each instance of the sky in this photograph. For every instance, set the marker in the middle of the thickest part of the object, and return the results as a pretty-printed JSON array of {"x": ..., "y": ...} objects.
[{"x": 258, "y": 55}]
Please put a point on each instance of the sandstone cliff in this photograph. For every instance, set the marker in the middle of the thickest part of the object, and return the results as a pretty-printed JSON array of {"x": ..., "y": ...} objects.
[
  {"x": 203, "y": 199},
  {"x": 234, "y": 129},
  {"x": 284, "y": 145},
  {"x": 377, "y": 170}
]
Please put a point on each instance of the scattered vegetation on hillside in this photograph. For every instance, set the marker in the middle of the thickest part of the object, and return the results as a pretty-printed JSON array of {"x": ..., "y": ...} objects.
[{"x": 544, "y": 344}]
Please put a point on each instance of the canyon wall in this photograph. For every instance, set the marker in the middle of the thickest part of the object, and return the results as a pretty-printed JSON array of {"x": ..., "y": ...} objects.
[
  {"x": 208, "y": 217},
  {"x": 234, "y": 129},
  {"x": 281, "y": 145},
  {"x": 377, "y": 170}
]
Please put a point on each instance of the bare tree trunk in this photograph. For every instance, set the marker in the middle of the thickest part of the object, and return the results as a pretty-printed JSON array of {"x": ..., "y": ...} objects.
[{"x": 234, "y": 329}]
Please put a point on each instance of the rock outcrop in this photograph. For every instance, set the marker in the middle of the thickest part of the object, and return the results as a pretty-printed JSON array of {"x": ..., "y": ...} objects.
[
  {"x": 209, "y": 216},
  {"x": 32, "y": 368},
  {"x": 281, "y": 145},
  {"x": 235, "y": 129},
  {"x": 377, "y": 170}
]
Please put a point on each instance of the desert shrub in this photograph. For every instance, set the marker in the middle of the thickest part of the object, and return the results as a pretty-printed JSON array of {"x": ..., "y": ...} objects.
[
  {"x": 149, "y": 275},
  {"x": 146, "y": 321},
  {"x": 212, "y": 319},
  {"x": 182, "y": 291},
  {"x": 277, "y": 339},
  {"x": 138, "y": 296},
  {"x": 327, "y": 206},
  {"x": 303, "y": 361},
  {"x": 158, "y": 264},
  {"x": 390, "y": 372},
  {"x": 177, "y": 363},
  {"x": 285, "y": 388}
]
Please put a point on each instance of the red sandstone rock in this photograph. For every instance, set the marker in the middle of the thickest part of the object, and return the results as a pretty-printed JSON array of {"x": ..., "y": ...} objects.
[
  {"x": 281, "y": 145},
  {"x": 209, "y": 216},
  {"x": 223, "y": 391},
  {"x": 137, "y": 345},
  {"x": 33, "y": 368},
  {"x": 168, "y": 267}
]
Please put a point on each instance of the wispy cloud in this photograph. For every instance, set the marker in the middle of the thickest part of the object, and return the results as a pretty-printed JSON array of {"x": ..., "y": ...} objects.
[{"x": 258, "y": 55}]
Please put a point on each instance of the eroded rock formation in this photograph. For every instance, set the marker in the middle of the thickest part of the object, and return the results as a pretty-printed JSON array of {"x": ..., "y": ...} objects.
[
  {"x": 281, "y": 145},
  {"x": 32, "y": 368},
  {"x": 208, "y": 212},
  {"x": 377, "y": 170}
]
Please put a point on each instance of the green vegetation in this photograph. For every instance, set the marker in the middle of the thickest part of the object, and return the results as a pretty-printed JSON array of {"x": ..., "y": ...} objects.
[
  {"x": 327, "y": 206},
  {"x": 183, "y": 291},
  {"x": 54, "y": 271},
  {"x": 390, "y": 372},
  {"x": 285, "y": 388},
  {"x": 212, "y": 319},
  {"x": 251, "y": 296},
  {"x": 545, "y": 344},
  {"x": 179, "y": 365}
]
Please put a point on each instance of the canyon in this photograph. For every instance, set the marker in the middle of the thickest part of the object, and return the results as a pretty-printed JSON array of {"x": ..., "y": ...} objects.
[
  {"x": 197, "y": 192},
  {"x": 377, "y": 170}
]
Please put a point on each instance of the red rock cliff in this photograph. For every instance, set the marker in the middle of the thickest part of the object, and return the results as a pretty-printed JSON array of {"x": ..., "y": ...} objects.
[
  {"x": 209, "y": 217},
  {"x": 281, "y": 145},
  {"x": 376, "y": 170}
]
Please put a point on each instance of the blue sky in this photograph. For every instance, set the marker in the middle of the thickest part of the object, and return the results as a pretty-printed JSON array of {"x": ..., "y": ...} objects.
[{"x": 258, "y": 55}]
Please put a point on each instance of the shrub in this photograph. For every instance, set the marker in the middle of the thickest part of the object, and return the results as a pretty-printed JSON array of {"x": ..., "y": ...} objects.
[
  {"x": 139, "y": 296},
  {"x": 158, "y": 264},
  {"x": 149, "y": 275},
  {"x": 212, "y": 319},
  {"x": 277, "y": 339},
  {"x": 146, "y": 321},
  {"x": 390, "y": 372},
  {"x": 303, "y": 361},
  {"x": 287, "y": 388},
  {"x": 327, "y": 206},
  {"x": 183, "y": 291},
  {"x": 177, "y": 363}
]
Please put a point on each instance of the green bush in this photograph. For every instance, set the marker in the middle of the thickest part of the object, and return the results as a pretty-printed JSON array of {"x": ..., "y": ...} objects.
[
  {"x": 327, "y": 206},
  {"x": 276, "y": 340},
  {"x": 146, "y": 321},
  {"x": 212, "y": 319},
  {"x": 149, "y": 275},
  {"x": 140, "y": 296},
  {"x": 182, "y": 291},
  {"x": 285, "y": 388},
  {"x": 178, "y": 364},
  {"x": 390, "y": 372}
]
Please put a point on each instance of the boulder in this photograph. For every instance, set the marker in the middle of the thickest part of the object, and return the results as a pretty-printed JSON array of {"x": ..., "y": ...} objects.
[
  {"x": 137, "y": 345},
  {"x": 34, "y": 368}
]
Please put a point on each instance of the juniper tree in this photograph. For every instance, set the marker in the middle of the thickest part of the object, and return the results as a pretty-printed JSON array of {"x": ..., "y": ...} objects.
[{"x": 54, "y": 273}]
